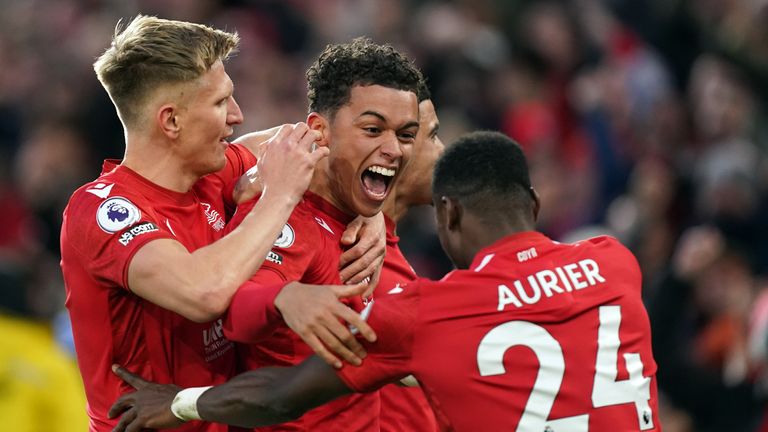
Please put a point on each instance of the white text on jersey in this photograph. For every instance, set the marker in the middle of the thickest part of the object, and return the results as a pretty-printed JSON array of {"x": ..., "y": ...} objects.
[
  {"x": 527, "y": 254},
  {"x": 567, "y": 278}
]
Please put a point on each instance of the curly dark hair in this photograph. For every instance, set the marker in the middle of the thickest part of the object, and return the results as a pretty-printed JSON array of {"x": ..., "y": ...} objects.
[
  {"x": 360, "y": 62},
  {"x": 488, "y": 172}
]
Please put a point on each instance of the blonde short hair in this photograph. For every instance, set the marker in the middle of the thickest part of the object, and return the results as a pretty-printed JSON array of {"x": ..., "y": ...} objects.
[{"x": 151, "y": 52}]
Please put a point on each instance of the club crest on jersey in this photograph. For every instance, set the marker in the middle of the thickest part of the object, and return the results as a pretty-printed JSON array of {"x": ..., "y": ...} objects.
[
  {"x": 286, "y": 237},
  {"x": 116, "y": 213}
]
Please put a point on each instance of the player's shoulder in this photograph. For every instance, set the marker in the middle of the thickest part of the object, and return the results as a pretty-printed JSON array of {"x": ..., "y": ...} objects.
[
  {"x": 299, "y": 233},
  {"x": 93, "y": 193},
  {"x": 602, "y": 243},
  {"x": 611, "y": 250},
  {"x": 108, "y": 203},
  {"x": 108, "y": 185},
  {"x": 405, "y": 287}
]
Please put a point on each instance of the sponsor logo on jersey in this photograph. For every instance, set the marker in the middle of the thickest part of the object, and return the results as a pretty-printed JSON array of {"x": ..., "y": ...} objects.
[
  {"x": 142, "y": 228},
  {"x": 527, "y": 254},
  {"x": 286, "y": 237},
  {"x": 274, "y": 258},
  {"x": 117, "y": 213},
  {"x": 214, "y": 218},
  {"x": 101, "y": 190},
  {"x": 214, "y": 342}
]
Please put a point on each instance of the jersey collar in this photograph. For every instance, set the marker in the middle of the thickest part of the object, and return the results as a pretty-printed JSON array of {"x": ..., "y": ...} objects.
[{"x": 519, "y": 240}]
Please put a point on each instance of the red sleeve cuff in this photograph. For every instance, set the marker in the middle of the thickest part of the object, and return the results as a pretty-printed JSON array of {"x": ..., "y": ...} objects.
[{"x": 252, "y": 315}]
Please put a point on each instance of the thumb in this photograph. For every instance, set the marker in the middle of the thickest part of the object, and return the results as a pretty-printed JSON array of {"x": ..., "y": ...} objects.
[{"x": 345, "y": 291}]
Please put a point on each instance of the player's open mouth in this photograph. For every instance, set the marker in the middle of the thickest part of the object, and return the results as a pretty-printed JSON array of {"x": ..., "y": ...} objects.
[{"x": 376, "y": 181}]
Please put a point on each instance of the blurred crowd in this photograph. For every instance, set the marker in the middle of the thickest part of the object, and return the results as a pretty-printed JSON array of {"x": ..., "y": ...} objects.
[{"x": 642, "y": 119}]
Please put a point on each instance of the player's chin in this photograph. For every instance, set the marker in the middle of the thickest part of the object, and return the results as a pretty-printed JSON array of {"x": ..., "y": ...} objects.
[
  {"x": 366, "y": 207},
  {"x": 217, "y": 162}
]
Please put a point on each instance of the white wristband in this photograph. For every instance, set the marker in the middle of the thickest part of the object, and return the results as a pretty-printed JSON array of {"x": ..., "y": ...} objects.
[{"x": 184, "y": 405}]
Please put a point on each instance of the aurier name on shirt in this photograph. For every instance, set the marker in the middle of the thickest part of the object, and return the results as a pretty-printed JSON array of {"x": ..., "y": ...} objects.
[{"x": 528, "y": 290}]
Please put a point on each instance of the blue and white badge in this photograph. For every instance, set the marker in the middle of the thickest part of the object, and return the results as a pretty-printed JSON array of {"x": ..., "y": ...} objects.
[
  {"x": 286, "y": 237},
  {"x": 117, "y": 213}
]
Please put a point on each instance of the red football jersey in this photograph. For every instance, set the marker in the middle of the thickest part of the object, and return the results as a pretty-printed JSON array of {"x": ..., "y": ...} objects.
[
  {"x": 402, "y": 408},
  {"x": 535, "y": 336},
  {"x": 307, "y": 250},
  {"x": 105, "y": 223}
]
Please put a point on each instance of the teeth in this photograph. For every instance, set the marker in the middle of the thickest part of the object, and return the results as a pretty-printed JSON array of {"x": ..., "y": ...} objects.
[{"x": 389, "y": 172}]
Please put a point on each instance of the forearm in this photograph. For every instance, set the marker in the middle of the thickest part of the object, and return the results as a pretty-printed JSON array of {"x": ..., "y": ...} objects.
[
  {"x": 271, "y": 395},
  {"x": 230, "y": 261},
  {"x": 248, "y": 400},
  {"x": 252, "y": 315},
  {"x": 200, "y": 285}
]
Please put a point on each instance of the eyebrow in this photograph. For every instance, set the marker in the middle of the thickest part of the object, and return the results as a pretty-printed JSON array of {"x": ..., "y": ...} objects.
[
  {"x": 410, "y": 124},
  {"x": 384, "y": 119},
  {"x": 373, "y": 113}
]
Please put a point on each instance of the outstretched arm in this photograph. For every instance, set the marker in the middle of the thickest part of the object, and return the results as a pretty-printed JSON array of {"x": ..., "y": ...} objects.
[
  {"x": 272, "y": 395},
  {"x": 256, "y": 398}
]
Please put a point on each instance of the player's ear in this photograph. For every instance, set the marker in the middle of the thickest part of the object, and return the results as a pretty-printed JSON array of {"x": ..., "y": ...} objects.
[
  {"x": 318, "y": 122},
  {"x": 453, "y": 213},
  {"x": 536, "y": 203},
  {"x": 167, "y": 120}
]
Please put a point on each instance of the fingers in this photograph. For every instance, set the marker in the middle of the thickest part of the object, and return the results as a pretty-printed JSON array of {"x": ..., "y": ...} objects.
[
  {"x": 363, "y": 267},
  {"x": 134, "y": 380},
  {"x": 349, "y": 237},
  {"x": 318, "y": 155},
  {"x": 373, "y": 282},
  {"x": 320, "y": 349},
  {"x": 305, "y": 136},
  {"x": 125, "y": 420},
  {"x": 345, "y": 291},
  {"x": 362, "y": 259},
  {"x": 282, "y": 133},
  {"x": 341, "y": 342},
  {"x": 137, "y": 425},
  {"x": 355, "y": 320},
  {"x": 123, "y": 403}
]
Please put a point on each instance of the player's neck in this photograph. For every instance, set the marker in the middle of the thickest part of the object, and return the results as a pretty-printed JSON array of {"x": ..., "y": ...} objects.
[
  {"x": 395, "y": 207},
  {"x": 321, "y": 186},
  {"x": 157, "y": 164},
  {"x": 479, "y": 235}
]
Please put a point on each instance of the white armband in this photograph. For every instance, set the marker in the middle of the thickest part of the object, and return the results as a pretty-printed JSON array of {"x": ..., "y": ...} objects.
[{"x": 184, "y": 405}]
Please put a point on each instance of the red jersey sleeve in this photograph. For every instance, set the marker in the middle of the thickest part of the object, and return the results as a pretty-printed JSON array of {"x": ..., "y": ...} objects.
[
  {"x": 252, "y": 314},
  {"x": 394, "y": 318},
  {"x": 107, "y": 233}
]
